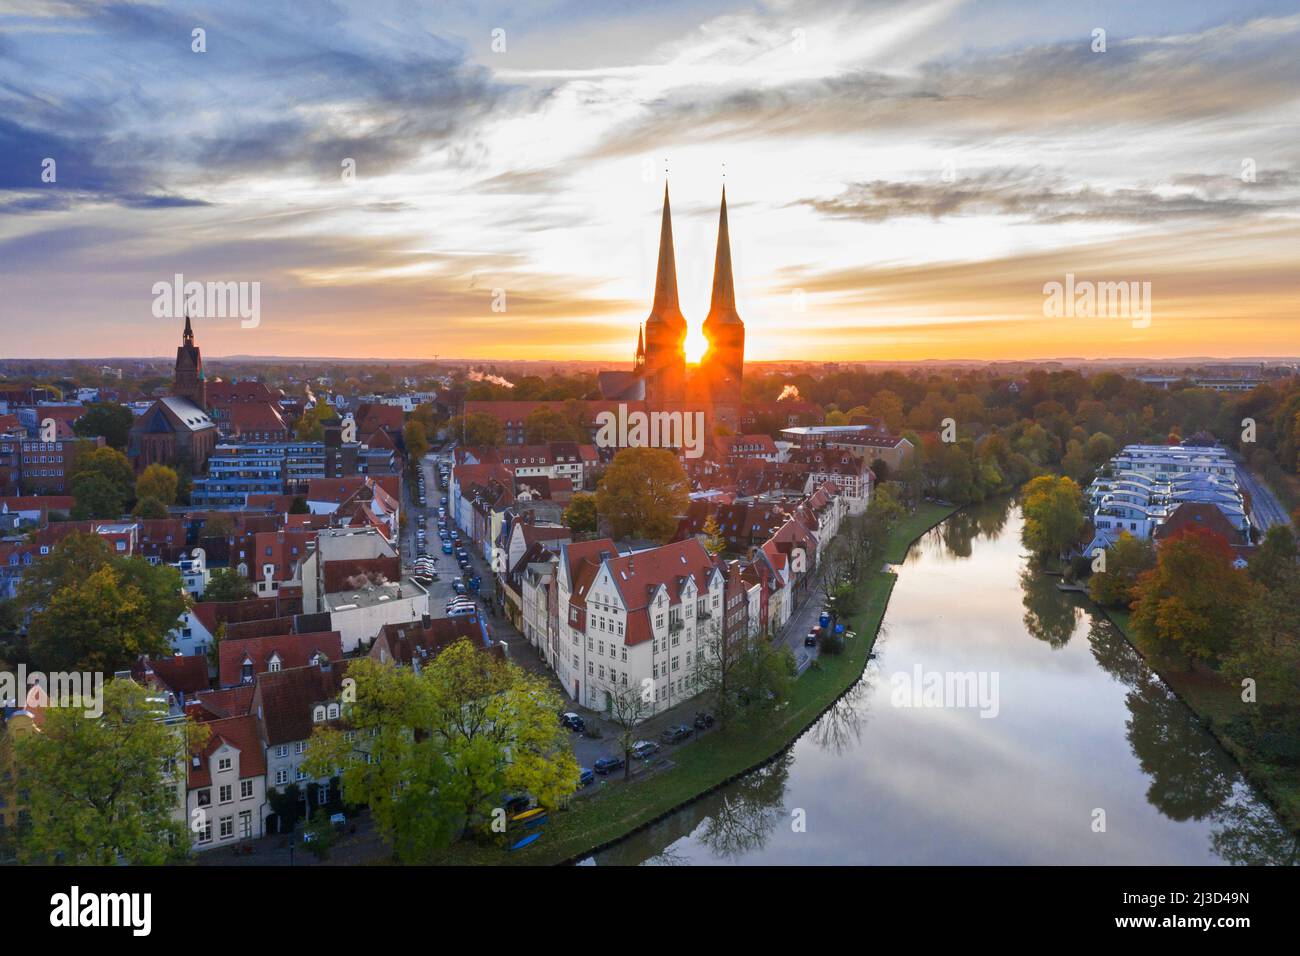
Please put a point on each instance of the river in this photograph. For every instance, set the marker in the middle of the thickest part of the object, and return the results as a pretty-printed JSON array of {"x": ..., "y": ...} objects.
[{"x": 1065, "y": 748}]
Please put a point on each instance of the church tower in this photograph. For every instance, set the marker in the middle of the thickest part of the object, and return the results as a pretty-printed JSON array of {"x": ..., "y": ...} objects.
[
  {"x": 188, "y": 380},
  {"x": 665, "y": 328},
  {"x": 724, "y": 362}
]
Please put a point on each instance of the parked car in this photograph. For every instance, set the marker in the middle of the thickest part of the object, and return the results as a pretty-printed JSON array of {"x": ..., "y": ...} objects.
[
  {"x": 446, "y": 547},
  {"x": 675, "y": 735},
  {"x": 811, "y": 639},
  {"x": 607, "y": 764},
  {"x": 703, "y": 720},
  {"x": 572, "y": 721},
  {"x": 585, "y": 776},
  {"x": 645, "y": 749},
  {"x": 459, "y": 587}
]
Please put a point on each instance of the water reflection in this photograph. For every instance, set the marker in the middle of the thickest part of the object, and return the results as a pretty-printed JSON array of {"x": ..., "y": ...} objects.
[
  {"x": 1083, "y": 723},
  {"x": 840, "y": 728},
  {"x": 1051, "y": 615}
]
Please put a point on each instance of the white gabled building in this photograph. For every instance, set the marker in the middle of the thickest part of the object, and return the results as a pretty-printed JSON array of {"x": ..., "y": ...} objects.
[{"x": 629, "y": 618}]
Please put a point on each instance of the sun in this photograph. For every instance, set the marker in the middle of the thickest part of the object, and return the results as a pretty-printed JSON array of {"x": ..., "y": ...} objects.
[{"x": 695, "y": 346}]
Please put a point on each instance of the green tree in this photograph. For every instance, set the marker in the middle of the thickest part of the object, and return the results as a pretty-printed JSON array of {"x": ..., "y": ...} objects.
[
  {"x": 96, "y": 497},
  {"x": 100, "y": 623},
  {"x": 1053, "y": 509},
  {"x": 415, "y": 439},
  {"x": 580, "y": 516},
  {"x": 1126, "y": 560},
  {"x": 98, "y": 789},
  {"x": 496, "y": 727},
  {"x": 477, "y": 428},
  {"x": 643, "y": 493},
  {"x": 102, "y": 483},
  {"x": 299, "y": 506},
  {"x": 81, "y": 586},
  {"x": 545, "y": 424},
  {"x": 111, "y": 421},
  {"x": 158, "y": 482},
  {"x": 401, "y": 772},
  {"x": 226, "y": 584},
  {"x": 714, "y": 540},
  {"x": 149, "y": 508}
]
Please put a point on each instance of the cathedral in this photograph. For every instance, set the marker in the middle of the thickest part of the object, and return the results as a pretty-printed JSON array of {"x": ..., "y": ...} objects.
[{"x": 659, "y": 373}]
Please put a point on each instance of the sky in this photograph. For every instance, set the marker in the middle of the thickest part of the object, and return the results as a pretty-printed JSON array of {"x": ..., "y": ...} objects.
[{"x": 905, "y": 180}]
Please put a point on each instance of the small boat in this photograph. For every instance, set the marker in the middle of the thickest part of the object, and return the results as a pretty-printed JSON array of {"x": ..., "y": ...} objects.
[
  {"x": 520, "y": 844},
  {"x": 528, "y": 815}
]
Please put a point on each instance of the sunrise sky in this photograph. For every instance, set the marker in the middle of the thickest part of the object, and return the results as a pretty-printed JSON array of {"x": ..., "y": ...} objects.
[{"x": 902, "y": 178}]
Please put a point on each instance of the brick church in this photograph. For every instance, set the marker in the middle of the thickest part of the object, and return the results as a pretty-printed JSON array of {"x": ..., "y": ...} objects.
[
  {"x": 659, "y": 374},
  {"x": 176, "y": 429}
]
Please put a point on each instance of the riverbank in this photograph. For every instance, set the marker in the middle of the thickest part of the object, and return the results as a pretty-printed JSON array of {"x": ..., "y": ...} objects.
[
  {"x": 700, "y": 767},
  {"x": 1216, "y": 701}
]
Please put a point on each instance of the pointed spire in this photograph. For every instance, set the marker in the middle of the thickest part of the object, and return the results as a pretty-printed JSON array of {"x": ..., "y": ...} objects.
[
  {"x": 666, "y": 307},
  {"x": 188, "y": 337},
  {"x": 722, "y": 306},
  {"x": 640, "y": 341}
]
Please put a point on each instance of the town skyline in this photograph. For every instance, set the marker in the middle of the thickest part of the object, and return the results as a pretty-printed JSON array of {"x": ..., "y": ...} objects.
[{"x": 904, "y": 180}]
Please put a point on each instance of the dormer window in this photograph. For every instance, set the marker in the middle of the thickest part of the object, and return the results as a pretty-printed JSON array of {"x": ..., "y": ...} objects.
[
  {"x": 318, "y": 714},
  {"x": 333, "y": 711}
]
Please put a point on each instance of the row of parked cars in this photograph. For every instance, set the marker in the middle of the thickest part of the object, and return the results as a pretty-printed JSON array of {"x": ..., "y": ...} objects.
[{"x": 641, "y": 750}]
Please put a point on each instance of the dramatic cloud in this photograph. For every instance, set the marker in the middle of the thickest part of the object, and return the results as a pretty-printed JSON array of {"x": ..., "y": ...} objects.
[{"x": 903, "y": 177}]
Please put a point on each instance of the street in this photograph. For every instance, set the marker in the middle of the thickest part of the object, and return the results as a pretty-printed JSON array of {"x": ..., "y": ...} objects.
[{"x": 1265, "y": 509}]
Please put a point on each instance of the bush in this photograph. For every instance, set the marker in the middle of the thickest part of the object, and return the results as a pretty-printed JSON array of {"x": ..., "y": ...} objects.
[{"x": 829, "y": 642}]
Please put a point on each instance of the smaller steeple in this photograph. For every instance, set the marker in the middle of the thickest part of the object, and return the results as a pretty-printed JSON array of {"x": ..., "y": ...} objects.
[
  {"x": 187, "y": 338},
  {"x": 640, "y": 346}
]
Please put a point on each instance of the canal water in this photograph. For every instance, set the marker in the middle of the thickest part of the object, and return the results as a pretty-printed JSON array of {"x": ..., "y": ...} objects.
[{"x": 1002, "y": 722}]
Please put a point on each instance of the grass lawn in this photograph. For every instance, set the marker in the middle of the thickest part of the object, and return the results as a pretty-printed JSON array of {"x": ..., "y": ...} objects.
[
  {"x": 716, "y": 757},
  {"x": 1216, "y": 701}
]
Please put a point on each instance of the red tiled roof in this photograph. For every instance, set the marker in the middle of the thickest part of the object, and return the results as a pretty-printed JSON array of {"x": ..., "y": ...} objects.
[
  {"x": 285, "y": 699},
  {"x": 639, "y": 577},
  {"x": 239, "y": 732},
  {"x": 181, "y": 674},
  {"x": 256, "y": 417},
  {"x": 293, "y": 650}
]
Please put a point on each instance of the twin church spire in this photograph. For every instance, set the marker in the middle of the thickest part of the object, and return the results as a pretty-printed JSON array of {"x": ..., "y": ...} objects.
[
  {"x": 662, "y": 358},
  {"x": 666, "y": 308}
]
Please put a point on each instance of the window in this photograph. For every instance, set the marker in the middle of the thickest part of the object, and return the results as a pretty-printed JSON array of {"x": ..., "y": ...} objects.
[
  {"x": 224, "y": 793},
  {"x": 205, "y": 798},
  {"x": 317, "y": 716},
  {"x": 282, "y": 750},
  {"x": 300, "y": 747},
  {"x": 301, "y": 775},
  {"x": 245, "y": 824},
  {"x": 245, "y": 790},
  {"x": 223, "y": 764},
  {"x": 205, "y": 831},
  {"x": 227, "y": 827},
  {"x": 281, "y": 777},
  {"x": 333, "y": 711}
]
